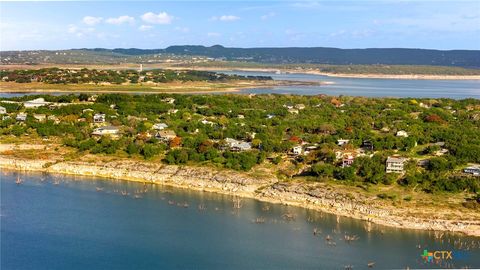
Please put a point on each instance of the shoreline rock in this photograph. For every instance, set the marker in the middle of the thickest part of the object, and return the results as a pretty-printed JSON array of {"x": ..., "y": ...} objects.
[{"x": 316, "y": 196}]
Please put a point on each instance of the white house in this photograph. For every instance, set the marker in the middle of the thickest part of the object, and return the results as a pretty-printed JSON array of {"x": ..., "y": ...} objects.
[
  {"x": 297, "y": 150},
  {"x": 342, "y": 142},
  {"x": 474, "y": 170},
  {"x": 3, "y": 110},
  {"x": 160, "y": 126},
  {"x": 108, "y": 130},
  {"x": 300, "y": 106},
  {"x": 166, "y": 135},
  {"x": 169, "y": 100},
  {"x": 99, "y": 118},
  {"x": 237, "y": 146},
  {"x": 293, "y": 111},
  {"x": 206, "y": 122},
  {"x": 40, "y": 117},
  {"x": 402, "y": 133},
  {"x": 395, "y": 164},
  {"x": 21, "y": 117},
  {"x": 35, "y": 103}
]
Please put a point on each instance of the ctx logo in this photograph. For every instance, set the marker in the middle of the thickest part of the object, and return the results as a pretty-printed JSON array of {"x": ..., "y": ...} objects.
[{"x": 437, "y": 255}]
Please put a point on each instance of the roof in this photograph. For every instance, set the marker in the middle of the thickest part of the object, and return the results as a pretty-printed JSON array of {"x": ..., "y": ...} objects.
[
  {"x": 166, "y": 133},
  {"x": 396, "y": 159}
]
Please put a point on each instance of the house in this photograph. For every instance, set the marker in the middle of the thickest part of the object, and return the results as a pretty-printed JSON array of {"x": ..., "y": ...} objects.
[
  {"x": 40, "y": 117},
  {"x": 172, "y": 111},
  {"x": 5, "y": 117},
  {"x": 206, "y": 122},
  {"x": 238, "y": 146},
  {"x": 165, "y": 135},
  {"x": 395, "y": 164},
  {"x": 309, "y": 148},
  {"x": 342, "y": 142},
  {"x": 240, "y": 116},
  {"x": 160, "y": 126},
  {"x": 295, "y": 139},
  {"x": 35, "y": 103},
  {"x": 169, "y": 100},
  {"x": 21, "y": 117},
  {"x": 348, "y": 159},
  {"x": 293, "y": 111},
  {"x": 297, "y": 150},
  {"x": 474, "y": 170},
  {"x": 441, "y": 152},
  {"x": 402, "y": 133},
  {"x": 270, "y": 116},
  {"x": 53, "y": 118},
  {"x": 3, "y": 110},
  {"x": 423, "y": 162},
  {"x": 99, "y": 118},
  {"x": 108, "y": 130},
  {"x": 300, "y": 106},
  {"x": 367, "y": 145}
]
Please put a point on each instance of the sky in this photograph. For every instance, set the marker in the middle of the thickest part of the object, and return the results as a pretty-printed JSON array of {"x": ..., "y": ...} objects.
[{"x": 159, "y": 24}]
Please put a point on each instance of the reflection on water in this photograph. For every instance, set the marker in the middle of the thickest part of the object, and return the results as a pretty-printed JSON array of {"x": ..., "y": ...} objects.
[{"x": 65, "y": 222}]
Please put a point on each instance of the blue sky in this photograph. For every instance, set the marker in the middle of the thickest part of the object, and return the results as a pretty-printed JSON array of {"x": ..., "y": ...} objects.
[{"x": 343, "y": 24}]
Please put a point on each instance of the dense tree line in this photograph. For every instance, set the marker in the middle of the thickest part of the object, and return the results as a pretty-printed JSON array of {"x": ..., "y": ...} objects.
[
  {"x": 265, "y": 122},
  {"x": 71, "y": 76}
]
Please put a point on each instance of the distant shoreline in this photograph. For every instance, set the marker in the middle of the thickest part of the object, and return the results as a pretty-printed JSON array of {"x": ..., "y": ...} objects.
[
  {"x": 345, "y": 75},
  {"x": 249, "y": 69}
]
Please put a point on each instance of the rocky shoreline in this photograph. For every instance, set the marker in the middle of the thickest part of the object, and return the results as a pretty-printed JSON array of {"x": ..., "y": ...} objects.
[{"x": 317, "y": 196}]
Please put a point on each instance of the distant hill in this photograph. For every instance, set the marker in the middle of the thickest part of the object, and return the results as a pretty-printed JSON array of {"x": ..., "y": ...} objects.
[
  {"x": 292, "y": 55},
  {"x": 322, "y": 55}
]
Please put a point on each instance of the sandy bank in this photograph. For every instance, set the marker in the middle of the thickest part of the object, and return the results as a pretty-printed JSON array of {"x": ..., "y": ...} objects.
[{"x": 317, "y": 196}]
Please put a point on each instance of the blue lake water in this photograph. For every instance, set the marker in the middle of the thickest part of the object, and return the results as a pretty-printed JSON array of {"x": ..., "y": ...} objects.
[
  {"x": 456, "y": 89},
  {"x": 86, "y": 223}
]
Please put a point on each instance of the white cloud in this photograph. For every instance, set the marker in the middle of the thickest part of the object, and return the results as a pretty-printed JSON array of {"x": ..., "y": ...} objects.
[
  {"x": 160, "y": 18},
  {"x": 225, "y": 18},
  {"x": 121, "y": 20},
  {"x": 145, "y": 27},
  {"x": 267, "y": 16},
  {"x": 213, "y": 34},
  {"x": 89, "y": 20},
  {"x": 79, "y": 31}
]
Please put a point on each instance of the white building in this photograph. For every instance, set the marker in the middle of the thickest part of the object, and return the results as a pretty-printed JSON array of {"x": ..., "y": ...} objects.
[
  {"x": 108, "y": 130},
  {"x": 160, "y": 126},
  {"x": 297, "y": 150},
  {"x": 402, "y": 133},
  {"x": 474, "y": 170},
  {"x": 21, "y": 117},
  {"x": 99, "y": 118},
  {"x": 395, "y": 164},
  {"x": 35, "y": 103},
  {"x": 166, "y": 135},
  {"x": 237, "y": 146},
  {"x": 40, "y": 117},
  {"x": 3, "y": 110},
  {"x": 342, "y": 142}
]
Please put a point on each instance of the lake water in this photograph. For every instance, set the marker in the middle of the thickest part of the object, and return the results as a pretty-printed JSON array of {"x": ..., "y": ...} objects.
[
  {"x": 72, "y": 225},
  {"x": 456, "y": 89}
]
